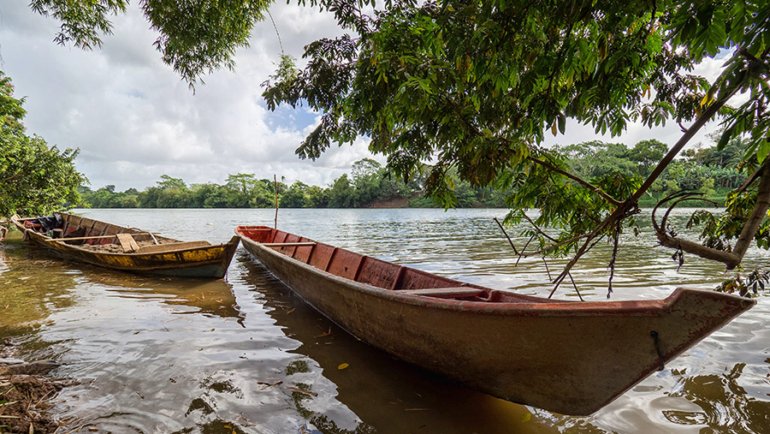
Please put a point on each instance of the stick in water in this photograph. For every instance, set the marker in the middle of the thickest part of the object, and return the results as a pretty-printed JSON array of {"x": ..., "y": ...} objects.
[{"x": 275, "y": 185}]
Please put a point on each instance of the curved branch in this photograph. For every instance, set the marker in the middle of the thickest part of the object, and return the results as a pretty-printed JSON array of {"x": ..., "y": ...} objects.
[
  {"x": 680, "y": 199},
  {"x": 506, "y": 235},
  {"x": 730, "y": 259}
]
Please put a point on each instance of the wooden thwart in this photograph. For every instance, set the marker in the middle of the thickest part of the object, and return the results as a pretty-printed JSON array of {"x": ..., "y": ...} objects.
[
  {"x": 297, "y": 244},
  {"x": 458, "y": 292},
  {"x": 162, "y": 248},
  {"x": 94, "y": 237}
]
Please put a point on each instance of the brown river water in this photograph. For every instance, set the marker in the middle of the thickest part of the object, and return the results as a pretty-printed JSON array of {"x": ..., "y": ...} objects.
[{"x": 163, "y": 355}]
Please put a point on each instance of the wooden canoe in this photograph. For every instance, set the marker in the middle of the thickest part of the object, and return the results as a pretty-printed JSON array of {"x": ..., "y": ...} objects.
[
  {"x": 568, "y": 357},
  {"x": 126, "y": 249}
]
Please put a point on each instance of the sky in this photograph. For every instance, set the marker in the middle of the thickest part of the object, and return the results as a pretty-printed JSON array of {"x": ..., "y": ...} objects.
[{"x": 134, "y": 119}]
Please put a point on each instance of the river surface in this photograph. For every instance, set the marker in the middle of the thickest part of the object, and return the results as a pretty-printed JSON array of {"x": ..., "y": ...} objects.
[{"x": 163, "y": 355}]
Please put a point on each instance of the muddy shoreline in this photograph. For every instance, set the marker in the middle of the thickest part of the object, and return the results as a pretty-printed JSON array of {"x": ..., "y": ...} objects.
[{"x": 26, "y": 392}]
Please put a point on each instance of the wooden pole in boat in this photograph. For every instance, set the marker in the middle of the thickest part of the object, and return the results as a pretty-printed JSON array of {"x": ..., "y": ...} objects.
[{"x": 275, "y": 186}]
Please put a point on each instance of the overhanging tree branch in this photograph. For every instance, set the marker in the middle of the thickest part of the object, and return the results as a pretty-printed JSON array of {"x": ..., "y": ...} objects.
[{"x": 629, "y": 206}]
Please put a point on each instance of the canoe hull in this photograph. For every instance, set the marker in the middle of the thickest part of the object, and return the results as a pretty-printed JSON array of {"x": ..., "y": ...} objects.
[
  {"x": 567, "y": 357},
  {"x": 210, "y": 261}
]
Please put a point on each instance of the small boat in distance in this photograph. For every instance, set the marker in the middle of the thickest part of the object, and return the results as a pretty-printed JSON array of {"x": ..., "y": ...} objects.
[
  {"x": 126, "y": 249},
  {"x": 568, "y": 357}
]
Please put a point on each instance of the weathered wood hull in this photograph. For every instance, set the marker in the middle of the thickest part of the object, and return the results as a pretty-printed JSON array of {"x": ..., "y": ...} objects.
[
  {"x": 177, "y": 259},
  {"x": 563, "y": 356}
]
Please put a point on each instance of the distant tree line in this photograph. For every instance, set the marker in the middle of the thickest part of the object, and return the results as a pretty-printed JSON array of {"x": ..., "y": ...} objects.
[
  {"x": 709, "y": 170},
  {"x": 369, "y": 184}
]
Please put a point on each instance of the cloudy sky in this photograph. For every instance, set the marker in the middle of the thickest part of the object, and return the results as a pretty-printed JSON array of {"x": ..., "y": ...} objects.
[{"x": 135, "y": 120}]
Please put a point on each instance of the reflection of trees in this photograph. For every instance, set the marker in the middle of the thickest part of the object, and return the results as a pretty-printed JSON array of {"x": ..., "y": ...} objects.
[
  {"x": 385, "y": 393},
  {"x": 31, "y": 285},
  {"x": 726, "y": 405}
]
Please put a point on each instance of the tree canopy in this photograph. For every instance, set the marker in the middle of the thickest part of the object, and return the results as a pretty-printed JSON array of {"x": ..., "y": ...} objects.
[{"x": 34, "y": 178}]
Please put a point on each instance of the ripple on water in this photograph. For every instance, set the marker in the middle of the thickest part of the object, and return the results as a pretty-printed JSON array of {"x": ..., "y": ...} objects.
[{"x": 169, "y": 355}]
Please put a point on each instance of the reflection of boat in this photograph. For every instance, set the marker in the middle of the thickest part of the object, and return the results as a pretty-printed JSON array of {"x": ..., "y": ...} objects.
[
  {"x": 383, "y": 392},
  {"x": 208, "y": 297},
  {"x": 126, "y": 249},
  {"x": 564, "y": 356}
]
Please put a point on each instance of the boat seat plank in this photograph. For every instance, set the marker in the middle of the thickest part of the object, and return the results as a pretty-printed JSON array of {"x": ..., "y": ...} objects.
[
  {"x": 456, "y": 292},
  {"x": 127, "y": 242},
  {"x": 294, "y": 244},
  {"x": 160, "y": 248}
]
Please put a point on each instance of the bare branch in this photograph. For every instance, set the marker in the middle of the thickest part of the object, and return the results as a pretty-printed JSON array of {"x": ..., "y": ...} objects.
[
  {"x": 575, "y": 286},
  {"x": 697, "y": 249},
  {"x": 613, "y": 259},
  {"x": 506, "y": 235},
  {"x": 585, "y": 248},
  {"x": 552, "y": 247},
  {"x": 547, "y": 270},
  {"x": 537, "y": 228},
  {"x": 521, "y": 255},
  {"x": 750, "y": 228}
]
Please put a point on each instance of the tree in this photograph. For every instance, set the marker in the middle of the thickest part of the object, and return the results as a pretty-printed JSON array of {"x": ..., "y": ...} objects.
[
  {"x": 477, "y": 85},
  {"x": 294, "y": 196},
  {"x": 169, "y": 192},
  {"x": 341, "y": 193},
  {"x": 240, "y": 190},
  {"x": 647, "y": 153},
  {"x": 34, "y": 178}
]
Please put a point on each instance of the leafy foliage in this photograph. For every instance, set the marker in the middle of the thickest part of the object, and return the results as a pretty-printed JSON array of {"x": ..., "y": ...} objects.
[
  {"x": 370, "y": 184},
  {"x": 756, "y": 280},
  {"x": 34, "y": 178}
]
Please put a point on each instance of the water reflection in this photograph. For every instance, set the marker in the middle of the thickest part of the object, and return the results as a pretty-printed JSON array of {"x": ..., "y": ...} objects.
[
  {"x": 207, "y": 297},
  {"x": 27, "y": 295},
  {"x": 723, "y": 404}
]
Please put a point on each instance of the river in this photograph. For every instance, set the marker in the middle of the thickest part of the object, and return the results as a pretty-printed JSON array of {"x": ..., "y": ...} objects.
[{"x": 162, "y": 355}]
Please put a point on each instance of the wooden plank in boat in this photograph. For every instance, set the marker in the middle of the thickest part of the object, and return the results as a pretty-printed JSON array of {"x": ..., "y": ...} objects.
[
  {"x": 127, "y": 242},
  {"x": 173, "y": 246},
  {"x": 458, "y": 292},
  {"x": 292, "y": 244}
]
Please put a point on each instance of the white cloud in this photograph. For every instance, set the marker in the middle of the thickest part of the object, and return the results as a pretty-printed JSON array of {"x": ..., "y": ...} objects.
[{"x": 134, "y": 119}]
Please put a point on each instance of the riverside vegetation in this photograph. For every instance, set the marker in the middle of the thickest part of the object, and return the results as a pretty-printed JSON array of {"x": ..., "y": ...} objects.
[{"x": 707, "y": 169}]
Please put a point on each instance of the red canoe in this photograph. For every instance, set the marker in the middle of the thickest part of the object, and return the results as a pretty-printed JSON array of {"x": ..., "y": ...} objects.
[{"x": 564, "y": 356}]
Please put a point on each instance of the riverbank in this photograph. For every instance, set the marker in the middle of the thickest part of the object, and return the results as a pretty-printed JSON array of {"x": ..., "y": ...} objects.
[{"x": 26, "y": 393}]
